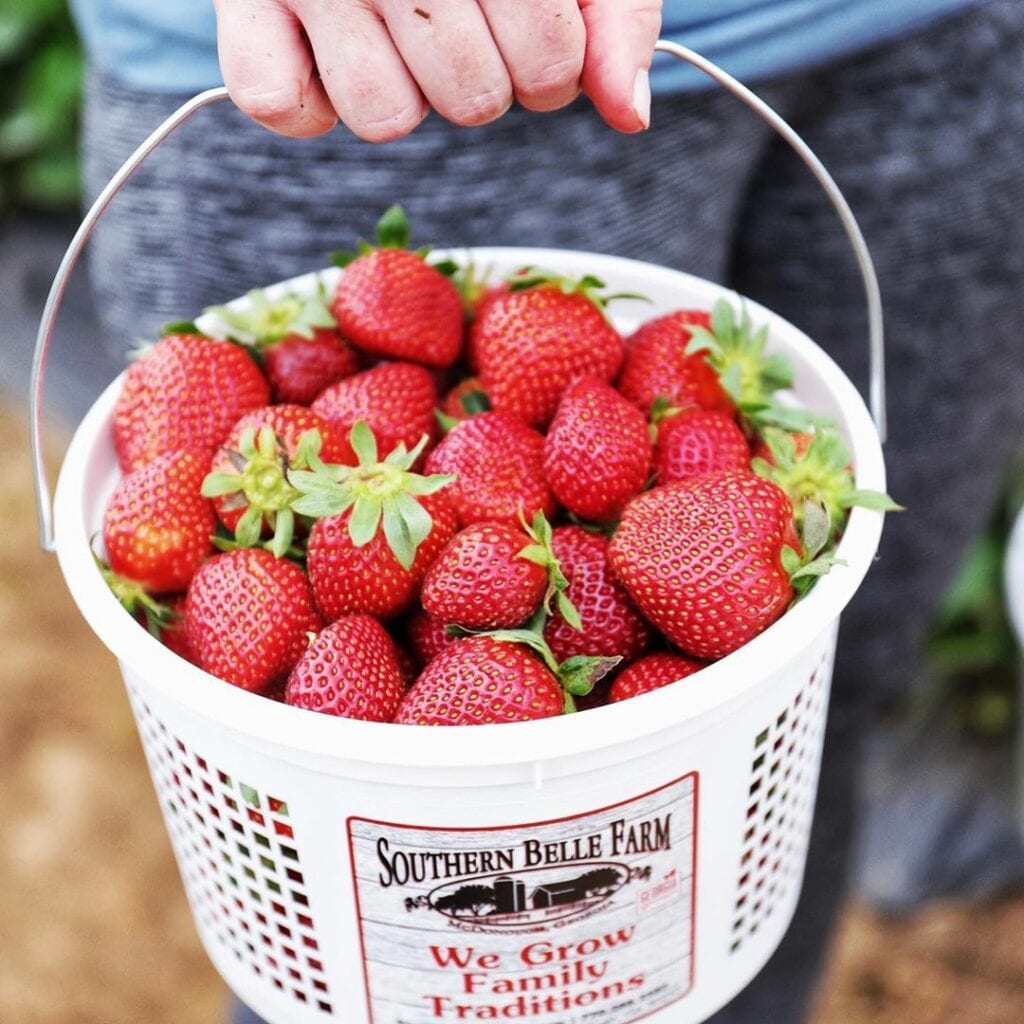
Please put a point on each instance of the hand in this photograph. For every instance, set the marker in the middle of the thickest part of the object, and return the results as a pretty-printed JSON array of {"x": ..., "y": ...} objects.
[{"x": 298, "y": 66}]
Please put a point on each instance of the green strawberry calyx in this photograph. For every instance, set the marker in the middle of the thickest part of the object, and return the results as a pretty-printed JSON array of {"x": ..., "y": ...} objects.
[
  {"x": 750, "y": 377},
  {"x": 816, "y": 538},
  {"x": 134, "y": 598},
  {"x": 589, "y": 286},
  {"x": 820, "y": 474},
  {"x": 378, "y": 493},
  {"x": 392, "y": 232},
  {"x": 577, "y": 675},
  {"x": 266, "y": 321},
  {"x": 260, "y": 485},
  {"x": 541, "y": 553}
]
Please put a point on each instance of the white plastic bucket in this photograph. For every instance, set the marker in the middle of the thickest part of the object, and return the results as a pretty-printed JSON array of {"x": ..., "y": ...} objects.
[{"x": 317, "y": 852}]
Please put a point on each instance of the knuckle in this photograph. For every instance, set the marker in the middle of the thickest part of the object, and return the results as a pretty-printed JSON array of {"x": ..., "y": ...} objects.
[
  {"x": 480, "y": 107},
  {"x": 558, "y": 77},
  {"x": 274, "y": 106},
  {"x": 385, "y": 127}
]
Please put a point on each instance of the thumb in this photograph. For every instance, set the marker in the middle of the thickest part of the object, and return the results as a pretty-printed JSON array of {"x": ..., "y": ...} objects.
[{"x": 620, "y": 45}]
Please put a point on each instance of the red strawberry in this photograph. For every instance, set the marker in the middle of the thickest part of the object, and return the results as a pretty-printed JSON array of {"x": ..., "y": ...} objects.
[
  {"x": 296, "y": 339},
  {"x": 248, "y": 479},
  {"x": 157, "y": 528},
  {"x": 379, "y": 528},
  {"x": 247, "y": 614},
  {"x": 597, "y": 454},
  {"x": 427, "y": 635},
  {"x": 351, "y": 670},
  {"x": 396, "y": 400},
  {"x": 534, "y": 341},
  {"x": 172, "y": 630},
  {"x": 695, "y": 441},
  {"x": 300, "y": 368},
  {"x": 611, "y": 626},
  {"x": 703, "y": 560},
  {"x": 490, "y": 576},
  {"x": 481, "y": 680},
  {"x": 657, "y": 366},
  {"x": 651, "y": 673},
  {"x": 496, "y": 461},
  {"x": 464, "y": 400},
  {"x": 184, "y": 392},
  {"x": 392, "y": 303}
]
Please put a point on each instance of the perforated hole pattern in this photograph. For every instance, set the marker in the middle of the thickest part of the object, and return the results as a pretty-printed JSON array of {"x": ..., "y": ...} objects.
[
  {"x": 240, "y": 864},
  {"x": 783, "y": 783}
]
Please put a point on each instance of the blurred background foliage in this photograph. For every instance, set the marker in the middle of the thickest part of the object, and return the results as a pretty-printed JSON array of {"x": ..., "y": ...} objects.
[{"x": 41, "y": 67}]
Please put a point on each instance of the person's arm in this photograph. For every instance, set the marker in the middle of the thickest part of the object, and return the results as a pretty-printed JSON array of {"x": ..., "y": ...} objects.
[{"x": 298, "y": 66}]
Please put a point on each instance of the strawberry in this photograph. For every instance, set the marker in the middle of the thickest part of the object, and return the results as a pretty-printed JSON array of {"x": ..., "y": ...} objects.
[
  {"x": 296, "y": 339},
  {"x": 703, "y": 559},
  {"x": 247, "y": 614},
  {"x": 497, "y": 464},
  {"x": 351, "y": 670},
  {"x": 428, "y": 636},
  {"x": 172, "y": 633},
  {"x": 651, "y": 673},
  {"x": 464, "y": 400},
  {"x": 379, "y": 528},
  {"x": 480, "y": 680},
  {"x": 248, "y": 479},
  {"x": 534, "y": 341},
  {"x": 814, "y": 470},
  {"x": 157, "y": 528},
  {"x": 396, "y": 400},
  {"x": 597, "y": 454},
  {"x": 493, "y": 576},
  {"x": 392, "y": 303},
  {"x": 609, "y": 624},
  {"x": 657, "y": 366},
  {"x": 736, "y": 352},
  {"x": 694, "y": 441},
  {"x": 184, "y": 392}
]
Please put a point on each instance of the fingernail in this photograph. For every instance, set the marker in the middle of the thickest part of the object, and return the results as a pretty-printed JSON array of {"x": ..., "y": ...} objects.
[{"x": 642, "y": 97}]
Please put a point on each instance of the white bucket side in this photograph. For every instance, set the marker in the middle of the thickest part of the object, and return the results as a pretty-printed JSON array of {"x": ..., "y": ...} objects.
[
  {"x": 258, "y": 836},
  {"x": 1014, "y": 577}
]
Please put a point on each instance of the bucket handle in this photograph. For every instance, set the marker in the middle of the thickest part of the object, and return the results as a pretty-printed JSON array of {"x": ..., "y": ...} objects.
[{"x": 876, "y": 339}]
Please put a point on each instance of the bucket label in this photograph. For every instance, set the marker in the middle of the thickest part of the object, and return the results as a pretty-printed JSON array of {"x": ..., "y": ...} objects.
[{"x": 587, "y": 919}]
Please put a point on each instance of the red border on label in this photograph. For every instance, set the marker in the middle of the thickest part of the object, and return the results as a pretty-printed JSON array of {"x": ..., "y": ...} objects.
[{"x": 535, "y": 824}]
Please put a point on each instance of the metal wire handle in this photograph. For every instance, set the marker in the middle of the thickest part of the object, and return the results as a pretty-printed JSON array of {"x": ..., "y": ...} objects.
[{"x": 876, "y": 337}]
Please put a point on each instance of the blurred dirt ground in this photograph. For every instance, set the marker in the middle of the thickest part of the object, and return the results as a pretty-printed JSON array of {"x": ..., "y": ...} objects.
[{"x": 95, "y": 928}]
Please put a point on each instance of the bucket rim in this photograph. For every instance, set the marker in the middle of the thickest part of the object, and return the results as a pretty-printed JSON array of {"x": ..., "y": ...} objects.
[{"x": 284, "y": 728}]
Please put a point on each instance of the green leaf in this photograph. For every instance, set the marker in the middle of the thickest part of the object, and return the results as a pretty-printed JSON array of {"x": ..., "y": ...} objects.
[
  {"x": 342, "y": 257},
  {"x": 181, "y": 327},
  {"x": 393, "y": 229},
  {"x": 447, "y": 267},
  {"x": 363, "y": 443},
  {"x": 723, "y": 320},
  {"x": 417, "y": 519},
  {"x": 416, "y": 484},
  {"x": 216, "y": 485},
  {"x": 475, "y": 402},
  {"x": 284, "y": 530},
  {"x": 817, "y": 527},
  {"x": 447, "y": 423},
  {"x": 777, "y": 372},
  {"x": 396, "y": 532},
  {"x": 580, "y": 673},
  {"x": 791, "y": 561},
  {"x": 568, "y": 610},
  {"x": 249, "y": 527},
  {"x": 536, "y": 553},
  {"x": 732, "y": 382},
  {"x": 363, "y": 523},
  {"x": 870, "y": 499},
  {"x": 819, "y": 567}
]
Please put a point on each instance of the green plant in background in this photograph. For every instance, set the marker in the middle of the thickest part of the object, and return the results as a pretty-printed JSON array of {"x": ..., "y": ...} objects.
[
  {"x": 972, "y": 643},
  {"x": 41, "y": 68}
]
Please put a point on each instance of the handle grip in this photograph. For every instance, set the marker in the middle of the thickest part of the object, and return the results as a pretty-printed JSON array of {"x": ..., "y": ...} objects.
[{"x": 876, "y": 337}]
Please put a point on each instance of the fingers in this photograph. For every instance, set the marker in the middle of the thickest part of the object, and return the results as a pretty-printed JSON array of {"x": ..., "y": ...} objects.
[
  {"x": 268, "y": 68},
  {"x": 448, "y": 47},
  {"x": 542, "y": 43},
  {"x": 620, "y": 45},
  {"x": 364, "y": 74}
]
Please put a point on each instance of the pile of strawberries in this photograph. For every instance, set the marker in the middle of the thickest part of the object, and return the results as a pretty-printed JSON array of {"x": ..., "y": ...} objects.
[{"x": 428, "y": 499}]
